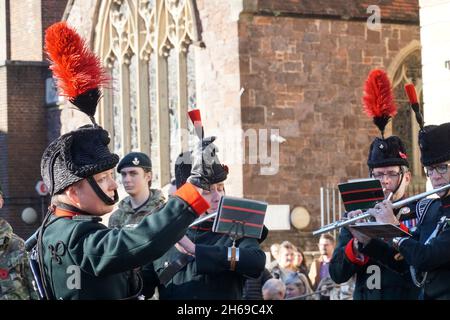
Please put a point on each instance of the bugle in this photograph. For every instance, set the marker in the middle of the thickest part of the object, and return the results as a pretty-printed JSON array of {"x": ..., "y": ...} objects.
[{"x": 345, "y": 222}]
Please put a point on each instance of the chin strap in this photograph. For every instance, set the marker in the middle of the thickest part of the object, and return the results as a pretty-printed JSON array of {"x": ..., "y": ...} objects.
[
  {"x": 402, "y": 174},
  {"x": 99, "y": 192}
]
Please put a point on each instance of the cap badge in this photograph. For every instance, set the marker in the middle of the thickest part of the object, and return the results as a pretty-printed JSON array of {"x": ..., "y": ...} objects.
[{"x": 135, "y": 161}]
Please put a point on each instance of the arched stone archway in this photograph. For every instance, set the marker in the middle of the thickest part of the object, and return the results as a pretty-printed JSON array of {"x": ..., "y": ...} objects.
[{"x": 407, "y": 68}]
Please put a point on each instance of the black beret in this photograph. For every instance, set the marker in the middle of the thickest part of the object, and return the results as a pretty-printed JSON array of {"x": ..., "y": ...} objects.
[{"x": 135, "y": 159}]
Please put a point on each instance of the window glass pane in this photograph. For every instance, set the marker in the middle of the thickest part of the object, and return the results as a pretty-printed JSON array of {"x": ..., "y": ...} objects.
[
  {"x": 154, "y": 131},
  {"x": 117, "y": 121},
  {"x": 133, "y": 103},
  {"x": 192, "y": 96},
  {"x": 173, "y": 109}
]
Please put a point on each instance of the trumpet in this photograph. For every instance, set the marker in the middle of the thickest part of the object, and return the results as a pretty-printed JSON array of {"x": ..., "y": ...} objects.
[{"x": 345, "y": 222}]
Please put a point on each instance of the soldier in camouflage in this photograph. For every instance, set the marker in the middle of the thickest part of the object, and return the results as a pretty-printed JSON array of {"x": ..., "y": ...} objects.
[
  {"x": 16, "y": 280},
  {"x": 135, "y": 170},
  {"x": 136, "y": 173}
]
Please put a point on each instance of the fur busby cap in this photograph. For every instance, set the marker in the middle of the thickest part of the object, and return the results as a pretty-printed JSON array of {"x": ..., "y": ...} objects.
[
  {"x": 183, "y": 166},
  {"x": 434, "y": 142},
  {"x": 75, "y": 156},
  {"x": 387, "y": 152},
  {"x": 135, "y": 159}
]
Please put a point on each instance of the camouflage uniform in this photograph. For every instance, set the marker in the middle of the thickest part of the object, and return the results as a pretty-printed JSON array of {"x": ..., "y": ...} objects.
[
  {"x": 125, "y": 214},
  {"x": 16, "y": 279}
]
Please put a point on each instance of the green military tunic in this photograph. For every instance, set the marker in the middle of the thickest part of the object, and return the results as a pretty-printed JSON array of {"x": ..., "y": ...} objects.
[
  {"x": 83, "y": 259},
  {"x": 16, "y": 279},
  {"x": 125, "y": 215}
]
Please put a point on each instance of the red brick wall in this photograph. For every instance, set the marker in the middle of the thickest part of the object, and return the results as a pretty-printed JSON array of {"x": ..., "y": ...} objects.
[
  {"x": 26, "y": 139},
  {"x": 305, "y": 77},
  {"x": 23, "y": 122},
  {"x": 52, "y": 11},
  {"x": 399, "y": 10}
]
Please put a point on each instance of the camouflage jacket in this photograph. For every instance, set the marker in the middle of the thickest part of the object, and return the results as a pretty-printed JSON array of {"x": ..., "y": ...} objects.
[
  {"x": 16, "y": 279},
  {"x": 125, "y": 214}
]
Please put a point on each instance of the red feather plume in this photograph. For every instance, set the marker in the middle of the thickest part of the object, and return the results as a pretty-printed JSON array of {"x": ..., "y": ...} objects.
[
  {"x": 378, "y": 99},
  {"x": 74, "y": 65},
  {"x": 196, "y": 119},
  {"x": 411, "y": 93}
]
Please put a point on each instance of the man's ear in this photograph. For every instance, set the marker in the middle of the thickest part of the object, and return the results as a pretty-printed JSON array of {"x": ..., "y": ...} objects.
[
  {"x": 407, "y": 177},
  {"x": 149, "y": 175},
  {"x": 72, "y": 193}
]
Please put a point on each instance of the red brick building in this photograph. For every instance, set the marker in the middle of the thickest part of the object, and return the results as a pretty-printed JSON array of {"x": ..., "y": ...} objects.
[{"x": 23, "y": 120}]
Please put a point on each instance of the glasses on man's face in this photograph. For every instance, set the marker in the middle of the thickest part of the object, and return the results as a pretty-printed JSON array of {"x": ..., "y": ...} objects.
[
  {"x": 441, "y": 169},
  {"x": 390, "y": 175}
]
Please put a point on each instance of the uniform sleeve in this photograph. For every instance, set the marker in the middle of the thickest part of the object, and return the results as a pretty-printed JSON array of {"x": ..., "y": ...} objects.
[
  {"x": 385, "y": 254},
  {"x": 214, "y": 259},
  {"x": 101, "y": 251},
  {"x": 427, "y": 257},
  {"x": 341, "y": 267}
]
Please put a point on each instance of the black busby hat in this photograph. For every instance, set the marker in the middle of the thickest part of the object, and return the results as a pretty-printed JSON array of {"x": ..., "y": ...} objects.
[
  {"x": 84, "y": 152},
  {"x": 379, "y": 104},
  {"x": 183, "y": 166},
  {"x": 387, "y": 152},
  {"x": 135, "y": 159},
  {"x": 434, "y": 142},
  {"x": 75, "y": 156}
]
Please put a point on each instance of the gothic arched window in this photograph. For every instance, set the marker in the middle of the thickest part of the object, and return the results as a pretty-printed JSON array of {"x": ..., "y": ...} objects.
[
  {"x": 147, "y": 46},
  {"x": 404, "y": 124}
]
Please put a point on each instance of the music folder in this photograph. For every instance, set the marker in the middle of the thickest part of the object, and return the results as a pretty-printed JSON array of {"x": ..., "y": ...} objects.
[
  {"x": 379, "y": 230},
  {"x": 361, "y": 194},
  {"x": 242, "y": 216}
]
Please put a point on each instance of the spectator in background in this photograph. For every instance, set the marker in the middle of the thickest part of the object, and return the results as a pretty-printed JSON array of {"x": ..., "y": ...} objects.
[
  {"x": 274, "y": 250},
  {"x": 320, "y": 267},
  {"x": 300, "y": 264},
  {"x": 297, "y": 287},
  {"x": 285, "y": 261},
  {"x": 273, "y": 289}
]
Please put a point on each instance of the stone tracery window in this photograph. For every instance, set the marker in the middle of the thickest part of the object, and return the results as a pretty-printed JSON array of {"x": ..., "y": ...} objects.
[
  {"x": 404, "y": 124},
  {"x": 147, "y": 46}
]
